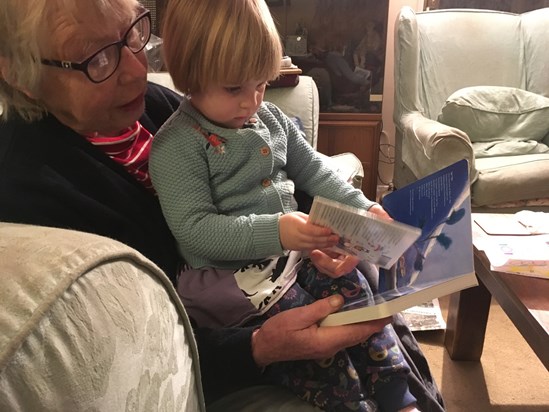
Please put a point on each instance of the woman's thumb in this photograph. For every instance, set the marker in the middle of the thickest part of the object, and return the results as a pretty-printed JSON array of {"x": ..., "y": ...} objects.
[
  {"x": 335, "y": 301},
  {"x": 318, "y": 310},
  {"x": 328, "y": 305}
]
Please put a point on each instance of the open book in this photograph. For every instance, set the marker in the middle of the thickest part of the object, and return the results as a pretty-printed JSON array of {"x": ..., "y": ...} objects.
[
  {"x": 363, "y": 234},
  {"x": 440, "y": 260}
]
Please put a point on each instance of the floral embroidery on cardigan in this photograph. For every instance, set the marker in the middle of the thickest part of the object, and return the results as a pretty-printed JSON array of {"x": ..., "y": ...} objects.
[{"x": 215, "y": 141}]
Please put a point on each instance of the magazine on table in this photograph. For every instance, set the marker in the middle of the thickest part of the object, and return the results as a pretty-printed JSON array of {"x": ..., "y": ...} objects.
[{"x": 438, "y": 262}]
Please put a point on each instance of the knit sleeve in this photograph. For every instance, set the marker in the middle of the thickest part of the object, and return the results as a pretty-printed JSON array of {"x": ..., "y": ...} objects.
[{"x": 310, "y": 172}]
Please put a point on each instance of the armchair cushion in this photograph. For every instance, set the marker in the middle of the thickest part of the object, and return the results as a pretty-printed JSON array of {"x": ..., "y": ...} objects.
[
  {"x": 517, "y": 177},
  {"x": 499, "y": 120},
  {"x": 87, "y": 323}
]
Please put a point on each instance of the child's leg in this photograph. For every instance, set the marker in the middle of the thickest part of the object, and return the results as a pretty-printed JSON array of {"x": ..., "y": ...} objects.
[
  {"x": 330, "y": 384},
  {"x": 383, "y": 369},
  {"x": 379, "y": 362}
]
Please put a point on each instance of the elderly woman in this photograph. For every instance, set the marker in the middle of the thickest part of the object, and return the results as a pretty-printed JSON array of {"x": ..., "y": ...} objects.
[{"x": 78, "y": 118}]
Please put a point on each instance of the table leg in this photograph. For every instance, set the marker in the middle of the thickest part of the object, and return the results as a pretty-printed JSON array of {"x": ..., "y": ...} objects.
[{"x": 466, "y": 323}]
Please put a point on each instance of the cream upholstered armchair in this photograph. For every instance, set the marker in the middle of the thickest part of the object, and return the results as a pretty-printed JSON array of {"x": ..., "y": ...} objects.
[{"x": 474, "y": 84}]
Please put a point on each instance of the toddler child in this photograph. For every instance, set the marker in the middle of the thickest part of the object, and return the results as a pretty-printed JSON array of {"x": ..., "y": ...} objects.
[{"x": 225, "y": 167}]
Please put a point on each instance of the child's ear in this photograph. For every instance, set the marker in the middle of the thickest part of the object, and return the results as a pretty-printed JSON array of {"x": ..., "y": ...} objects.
[{"x": 4, "y": 75}]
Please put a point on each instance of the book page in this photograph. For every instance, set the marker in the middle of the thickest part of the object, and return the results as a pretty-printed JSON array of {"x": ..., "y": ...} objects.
[{"x": 363, "y": 234}]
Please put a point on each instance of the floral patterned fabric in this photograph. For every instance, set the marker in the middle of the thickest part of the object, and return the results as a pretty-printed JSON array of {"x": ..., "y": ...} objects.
[{"x": 89, "y": 324}]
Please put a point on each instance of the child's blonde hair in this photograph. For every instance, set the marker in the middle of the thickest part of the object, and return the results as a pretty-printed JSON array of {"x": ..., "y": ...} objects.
[{"x": 219, "y": 42}]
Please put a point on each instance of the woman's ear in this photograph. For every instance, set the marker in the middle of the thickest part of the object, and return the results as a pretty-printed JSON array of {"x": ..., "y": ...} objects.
[
  {"x": 3, "y": 68},
  {"x": 4, "y": 75}
]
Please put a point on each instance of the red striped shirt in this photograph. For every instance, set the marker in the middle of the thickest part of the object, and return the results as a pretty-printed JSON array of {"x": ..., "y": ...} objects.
[{"x": 131, "y": 149}]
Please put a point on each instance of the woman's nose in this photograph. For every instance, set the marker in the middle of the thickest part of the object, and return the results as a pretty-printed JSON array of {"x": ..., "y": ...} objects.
[{"x": 132, "y": 66}]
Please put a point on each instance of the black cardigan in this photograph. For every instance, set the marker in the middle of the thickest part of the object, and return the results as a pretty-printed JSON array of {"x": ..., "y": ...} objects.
[{"x": 51, "y": 176}]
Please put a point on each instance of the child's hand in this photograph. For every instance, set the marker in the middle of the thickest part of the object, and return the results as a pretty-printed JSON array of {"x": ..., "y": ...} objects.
[
  {"x": 297, "y": 234},
  {"x": 380, "y": 212},
  {"x": 333, "y": 264},
  {"x": 410, "y": 408}
]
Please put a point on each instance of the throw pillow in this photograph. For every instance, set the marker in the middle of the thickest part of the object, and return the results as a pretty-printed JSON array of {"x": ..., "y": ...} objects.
[{"x": 496, "y": 113}]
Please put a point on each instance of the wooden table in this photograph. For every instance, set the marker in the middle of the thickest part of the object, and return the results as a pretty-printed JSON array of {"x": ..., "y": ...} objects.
[{"x": 524, "y": 299}]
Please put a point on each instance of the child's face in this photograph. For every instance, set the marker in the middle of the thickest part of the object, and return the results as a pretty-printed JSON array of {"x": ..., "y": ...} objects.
[{"x": 230, "y": 106}]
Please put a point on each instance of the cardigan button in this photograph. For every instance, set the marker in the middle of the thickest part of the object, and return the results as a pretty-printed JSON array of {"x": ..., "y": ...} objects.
[
  {"x": 265, "y": 151},
  {"x": 266, "y": 182}
]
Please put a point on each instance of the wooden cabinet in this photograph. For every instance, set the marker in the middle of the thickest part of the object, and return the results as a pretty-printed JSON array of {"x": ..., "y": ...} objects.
[{"x": 358, "y": 133}]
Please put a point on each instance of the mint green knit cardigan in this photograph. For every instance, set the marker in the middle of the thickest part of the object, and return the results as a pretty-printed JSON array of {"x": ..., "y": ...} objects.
[{"x": 222, "y": 191}]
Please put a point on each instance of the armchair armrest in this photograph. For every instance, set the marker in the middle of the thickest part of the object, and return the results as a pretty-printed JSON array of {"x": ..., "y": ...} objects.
[{"x": 428, "y": 146}]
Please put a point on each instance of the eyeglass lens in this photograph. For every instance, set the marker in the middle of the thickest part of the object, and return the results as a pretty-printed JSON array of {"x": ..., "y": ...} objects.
[{"x": 105, "y": 62}]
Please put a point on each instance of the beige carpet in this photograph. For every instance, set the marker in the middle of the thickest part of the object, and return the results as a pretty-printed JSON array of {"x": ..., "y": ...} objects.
[{"x": 508, "y": 378}]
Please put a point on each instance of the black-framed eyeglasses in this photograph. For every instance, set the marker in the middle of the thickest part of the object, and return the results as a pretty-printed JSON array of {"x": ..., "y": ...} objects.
[{"x": 103, "y": 63}]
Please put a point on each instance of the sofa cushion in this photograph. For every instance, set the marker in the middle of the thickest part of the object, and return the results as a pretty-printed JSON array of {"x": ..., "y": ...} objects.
[{"x": 500, "y": 121}]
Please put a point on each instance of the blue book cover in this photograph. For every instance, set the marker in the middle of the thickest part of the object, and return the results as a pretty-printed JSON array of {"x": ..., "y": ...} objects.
[{"x": 439, "y": 262}]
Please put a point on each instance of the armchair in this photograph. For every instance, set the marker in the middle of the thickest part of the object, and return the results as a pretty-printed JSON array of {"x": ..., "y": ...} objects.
[{"x": 473, "y": 84}]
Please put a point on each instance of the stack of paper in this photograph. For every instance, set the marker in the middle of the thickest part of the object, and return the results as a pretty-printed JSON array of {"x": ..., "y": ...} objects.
[
  {"x": 516, "y": 243},
  {"x": 534, "y": 222}
]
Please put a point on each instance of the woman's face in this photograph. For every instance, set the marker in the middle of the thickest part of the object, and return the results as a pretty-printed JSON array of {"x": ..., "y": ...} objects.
[{"x": 86, "y": 107}]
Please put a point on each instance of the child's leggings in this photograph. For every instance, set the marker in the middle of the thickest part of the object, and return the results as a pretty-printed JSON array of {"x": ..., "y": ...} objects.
[{"x": 355, "y": 379}]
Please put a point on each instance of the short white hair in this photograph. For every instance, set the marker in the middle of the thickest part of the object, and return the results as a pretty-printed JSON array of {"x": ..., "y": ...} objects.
[{"x": 24, "y": 24}]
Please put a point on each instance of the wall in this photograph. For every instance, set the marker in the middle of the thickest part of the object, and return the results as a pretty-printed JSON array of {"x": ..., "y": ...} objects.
[{"x": 388, "y": 134}]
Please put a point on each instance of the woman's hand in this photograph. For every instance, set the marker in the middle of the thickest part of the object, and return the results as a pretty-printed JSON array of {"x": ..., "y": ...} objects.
[
  {"x": 294, "y": 334},
  {"x": 297, "y": 234}
]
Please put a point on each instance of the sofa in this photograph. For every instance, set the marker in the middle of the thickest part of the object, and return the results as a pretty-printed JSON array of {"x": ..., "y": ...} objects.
[
  {"x": 88, "y": 323},
  {"x": 474, "y": 84}
]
